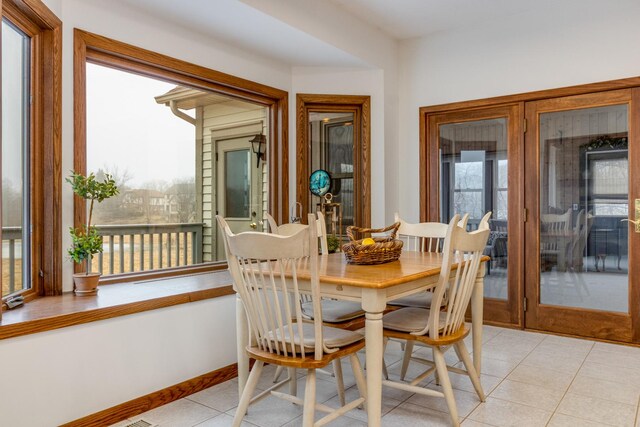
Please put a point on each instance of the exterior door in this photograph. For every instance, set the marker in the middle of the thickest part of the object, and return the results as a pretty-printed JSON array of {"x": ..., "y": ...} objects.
[
  {"x": 475, "y": 165},
  {"x": 239, "y": 189},
  {"x": 582, "y": 178}
]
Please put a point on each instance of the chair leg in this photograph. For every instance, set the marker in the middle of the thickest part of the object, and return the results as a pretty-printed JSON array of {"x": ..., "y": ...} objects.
[
  {"x": 406, "y": 358},
  {"x": 441, "y": 367},
  {"x": 385, "y": 374},
  {"x": 254, "y": 376},
  {"x": 337, "y": 370},
  {"x": 463, "y": 354},
  {"x": 293, "y": 382},
  {"x": 359, "y": 375},
  {"x": 308, "y": 415},
  {"x": 436, "y": 376},
  {"x": 277, "y": 373}
]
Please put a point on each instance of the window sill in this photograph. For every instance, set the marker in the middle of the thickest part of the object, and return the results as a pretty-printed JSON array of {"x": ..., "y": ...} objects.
[{"x": 48, "y": 313}]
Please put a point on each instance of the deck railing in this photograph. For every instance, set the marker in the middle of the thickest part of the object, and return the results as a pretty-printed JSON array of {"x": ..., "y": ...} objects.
[
  {"x": 132, "y": 248},
  {"x": 12, "y": 277}
]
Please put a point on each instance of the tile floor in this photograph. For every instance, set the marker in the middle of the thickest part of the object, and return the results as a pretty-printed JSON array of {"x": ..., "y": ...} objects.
[{"x": 530, "y": 379}]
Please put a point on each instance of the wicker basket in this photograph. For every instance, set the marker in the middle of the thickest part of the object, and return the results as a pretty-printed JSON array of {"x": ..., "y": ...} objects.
[{"x": 386, "y": 249}]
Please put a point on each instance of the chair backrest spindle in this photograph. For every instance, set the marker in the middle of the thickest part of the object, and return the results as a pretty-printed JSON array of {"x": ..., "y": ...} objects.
[{"x": 264, "y": 268}]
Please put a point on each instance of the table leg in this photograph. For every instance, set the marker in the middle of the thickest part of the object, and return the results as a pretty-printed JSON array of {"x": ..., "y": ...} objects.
[
  {"x": 374, "y": 303},
  {"x": 477, "y": 307},
  {"x": 242, "y": 332}
]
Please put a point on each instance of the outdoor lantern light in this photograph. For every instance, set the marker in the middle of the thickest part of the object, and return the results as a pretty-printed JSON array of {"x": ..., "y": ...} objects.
[{"x": 259, "y": 146}]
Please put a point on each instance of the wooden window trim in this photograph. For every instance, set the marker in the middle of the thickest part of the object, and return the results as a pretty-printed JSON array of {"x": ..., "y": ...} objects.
[
  {"x": 359, "y": 105},
  {"x": 45, "y": 29},
  {"x": 112, "y": 53}
]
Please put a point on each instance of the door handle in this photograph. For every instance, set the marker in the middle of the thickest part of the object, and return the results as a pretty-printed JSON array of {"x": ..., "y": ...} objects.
[
  {"x": 635, "y": 222},
  {"x": 253, "y": 225}
]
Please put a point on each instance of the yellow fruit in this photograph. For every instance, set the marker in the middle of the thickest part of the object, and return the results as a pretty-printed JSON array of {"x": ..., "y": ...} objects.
[{"x": 368, "y": 241}]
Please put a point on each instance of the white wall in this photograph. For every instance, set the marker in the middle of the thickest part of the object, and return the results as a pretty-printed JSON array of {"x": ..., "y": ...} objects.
[
  {"x": 555, "y": 47},
  {"x": 58, "y": 376},
  {"x": 54, "y": 377}
]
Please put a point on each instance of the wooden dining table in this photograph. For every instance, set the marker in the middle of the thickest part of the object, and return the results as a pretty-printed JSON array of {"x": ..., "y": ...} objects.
[{"x": 373, "y": 286}]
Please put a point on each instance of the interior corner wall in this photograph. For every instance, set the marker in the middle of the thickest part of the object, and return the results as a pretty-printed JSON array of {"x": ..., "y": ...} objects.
[
  {"x": 329, "y": 81},
  {"x": 553, "y": 48},
  {"x": 91, "y": 367},
  {"x": 54, "y": 377}
]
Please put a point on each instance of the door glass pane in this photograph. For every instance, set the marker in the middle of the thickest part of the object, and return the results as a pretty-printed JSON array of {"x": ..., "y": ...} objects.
[
  {"x": 15, "y": 159},
  {"x": 473, "y": 180},
  {"x": 584, "y": 186},
  {"x": 331, "y": 149},
  {"x": 237, "y": 194}
]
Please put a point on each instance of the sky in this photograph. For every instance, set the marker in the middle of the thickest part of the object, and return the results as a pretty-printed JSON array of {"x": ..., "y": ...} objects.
[{"x": 127, "y": 129}]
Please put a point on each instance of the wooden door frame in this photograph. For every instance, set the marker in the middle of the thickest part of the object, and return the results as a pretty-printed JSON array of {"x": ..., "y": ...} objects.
[
  {"x": 626, "y": 83},
  {"x": 361, "y": 107},
  {"x": 561, "y": 319},
  {"x": 505, "y": 312}
]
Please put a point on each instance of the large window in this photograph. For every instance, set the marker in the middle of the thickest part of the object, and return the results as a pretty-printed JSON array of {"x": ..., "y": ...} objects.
[
  {"x": 179, "y": 149},
  {"x": 30, "y": 150}
]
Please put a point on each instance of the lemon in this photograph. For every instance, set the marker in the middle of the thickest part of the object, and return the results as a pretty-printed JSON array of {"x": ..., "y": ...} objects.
[{"x": 368, "y": 241}]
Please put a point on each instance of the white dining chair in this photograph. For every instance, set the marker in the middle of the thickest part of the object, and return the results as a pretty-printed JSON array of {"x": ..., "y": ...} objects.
[
  {"x": 335, "y": 313},
  {"x": 442, "y": 329},
  {"x": 264, "y": 270},
  {"x": 429, "y": 237}
]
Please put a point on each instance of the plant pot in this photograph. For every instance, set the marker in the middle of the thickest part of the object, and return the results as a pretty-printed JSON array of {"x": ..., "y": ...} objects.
[{"x": 86, "y": 284}]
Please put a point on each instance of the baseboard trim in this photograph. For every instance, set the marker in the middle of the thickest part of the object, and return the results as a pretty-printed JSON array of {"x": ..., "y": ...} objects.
[{"x": 157, "y": 398}]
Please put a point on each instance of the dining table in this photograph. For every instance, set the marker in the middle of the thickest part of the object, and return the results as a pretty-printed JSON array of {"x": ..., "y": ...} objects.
[{"x": 373, "y": 286}]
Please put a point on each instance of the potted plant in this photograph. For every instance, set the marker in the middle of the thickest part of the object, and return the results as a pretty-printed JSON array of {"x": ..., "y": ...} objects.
[{"x": 85, "y": 240}]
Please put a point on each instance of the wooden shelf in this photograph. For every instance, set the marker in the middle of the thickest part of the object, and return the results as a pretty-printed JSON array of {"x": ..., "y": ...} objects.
[{"x": 48, "y": 313}]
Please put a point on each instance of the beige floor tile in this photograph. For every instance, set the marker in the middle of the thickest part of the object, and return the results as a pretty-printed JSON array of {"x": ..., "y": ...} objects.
[
  {"x": 585, "y": 345},
  {"x": 408, "y": 414},
  {"x": 620, "y": 374},
  {"x": 528, "y": 394},
  {"x": 542, "y": 359},
  {"x": 462, "y": 382},
  {"x": 561, "y": 420},
  {"x": 542, "y": 377},
  {"x": 468, "y": 422},
  {"x": 505, "y": 352},
  {"x": 494, "y": 367},
  {"x": 514, "y": 339},
  {"x": 598, "y": 410},
  {"x": 613, "y": 358},
  {"x": 222, "y": 420},
  {"x": 271, "y": 412},
  {"x": 180, "y": 413},
  {"x": 465, "y": 401},
  {"x": 221, "y": 397},
  {"x": 608, "y": 390},
  {"x": 340, "y": 422},
  {"x": 563, "y": 349},
  {"x": 122, "y": 423},
  {"x": 617, "y": 348},
  {"x": 500, "y": 413},
  {"x": 388, "y": 403}
]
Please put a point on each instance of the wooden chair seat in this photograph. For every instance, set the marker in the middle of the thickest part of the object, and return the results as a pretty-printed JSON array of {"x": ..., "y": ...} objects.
[
  {"x": 460, "y": 334},
  {"x": 332, "y": 337},
  {"x": 335, "y": 311},
  {"x": 307, "y": 362},
  {"x": 409, "y": 319},
  {"x": 421, "y": 300}
]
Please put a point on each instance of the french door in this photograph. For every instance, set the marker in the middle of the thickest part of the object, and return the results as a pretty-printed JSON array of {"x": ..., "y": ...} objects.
[
  {"x": 475, "y": 165},
  {"x": 582, "y": 179}
]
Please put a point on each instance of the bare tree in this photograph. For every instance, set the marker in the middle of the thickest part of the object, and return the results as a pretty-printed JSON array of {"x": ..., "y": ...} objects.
[{"x": 182, "y": 200}]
